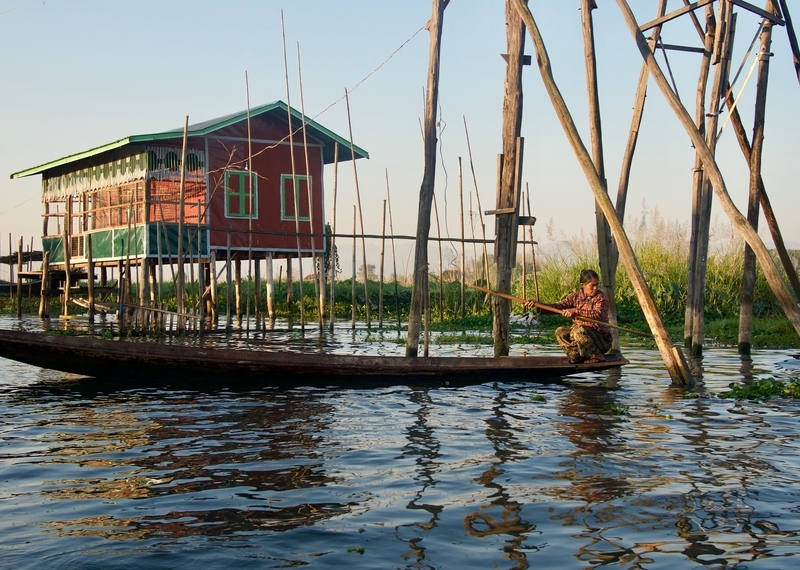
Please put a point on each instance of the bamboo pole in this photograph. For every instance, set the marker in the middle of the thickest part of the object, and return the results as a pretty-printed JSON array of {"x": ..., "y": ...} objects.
[
  {"x": 749, "y": 269},
  {"x": 763, "y": 256},
  {"x": 289, "y": 282},
  {"x": 360, "y": 212},
  {"x": 317, "y": 282},
  {"x": 604, "y": 241},
  {"x": 439, "y": 245},
  {"x": 533, "y": 245},
  {"x": 383, "y": 252},
  {"x": 296, "y": 198},
  {"x": 180, "y": 285},
  {"x": 633, "y": 131},
  {"x": 249, "y": 209},
  {"x": 675, "y": 365},
  {"x": 332, "y": 252},
  {"x": 508, "y": 178},
  {"x": 420, "y": 289},
  {"x": 463, "y": 245},
  {"x": 394, "y": 253},
  {"x": 353, "y": 281},
  {"x": 480, "y": 209}
]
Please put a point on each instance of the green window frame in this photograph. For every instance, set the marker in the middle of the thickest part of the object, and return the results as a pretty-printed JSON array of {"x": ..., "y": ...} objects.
[
  {"x": 238, "y": 194},
  {"x": 300, "y": 193}
]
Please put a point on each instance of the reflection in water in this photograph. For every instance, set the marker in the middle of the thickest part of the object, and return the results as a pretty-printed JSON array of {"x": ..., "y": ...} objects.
[
  {"x": 620, "y": 470},
  {"x": 507, "y": 448},
  {"x": 424, "y": 448}
]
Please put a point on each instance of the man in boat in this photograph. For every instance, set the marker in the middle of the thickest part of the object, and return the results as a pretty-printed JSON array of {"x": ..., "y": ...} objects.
[{"x": 584, "y": 341}]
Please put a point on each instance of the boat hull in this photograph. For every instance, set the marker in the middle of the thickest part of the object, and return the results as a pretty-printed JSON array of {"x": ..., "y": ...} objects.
[{"x": 118, "y": 359}]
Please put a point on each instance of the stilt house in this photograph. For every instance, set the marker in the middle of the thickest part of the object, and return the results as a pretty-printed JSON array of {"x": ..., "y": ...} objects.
[{"x": 253, "y": 183}]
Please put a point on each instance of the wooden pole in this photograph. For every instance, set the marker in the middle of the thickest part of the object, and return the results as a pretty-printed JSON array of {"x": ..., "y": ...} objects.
[
  {"x": 296, "y": 197},
  {"x": 463, "y": 254},
  {"x": 289, "y": 282},
  {"x": 360, "y": 212},
  {"x": 270, "y": 288},
  {"x": 67, "y": 252},
  {"x": 439, "y": 245},
  {"x": 237, "y": 284},
  {"x": 201, "y": 279},
  {"x": 604, "y": 241},
  {"x": 769, "y": 213},
  {"x": 180, "y": 285},
  {"x": 332, "y": 252},
  {"x": 394, "y": 254},
  {"x": 317, "y": 282},
  {"x": 420, "y": 289},
  {"x": 253, "y": 189},
  {"x": 697, "y": 173},
  {"x": 212, "y": 265},
  {"x": 44, "y": 298},
  {"x": 763, "y": 256},
  {"x": 675, "y": 365},
  {"x": 749, "y": 269},
  {"x": 90, "y": 276},
  {"x": 383, "y": 251},
  {"x": 19, "y": 279},
  {"x": 229, "y": 269},
  {"x": 533, "y": 246},
  {"x": 792, "y": 38},
  {"x": 353, "y": 281},
  {"x": 257, "y": 291},
  {"x": 509, "y": 183},
  {"x": 480, "y": 209}
]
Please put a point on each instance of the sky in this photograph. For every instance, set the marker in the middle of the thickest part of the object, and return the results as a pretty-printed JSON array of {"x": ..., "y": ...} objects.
[{"x": 81, "y": 73}]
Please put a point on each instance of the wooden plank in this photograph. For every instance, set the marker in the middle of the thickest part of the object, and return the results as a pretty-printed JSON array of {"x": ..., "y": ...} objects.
[
  {"x": 675, "y": 14},
  {"x": 674, "y": 47}
]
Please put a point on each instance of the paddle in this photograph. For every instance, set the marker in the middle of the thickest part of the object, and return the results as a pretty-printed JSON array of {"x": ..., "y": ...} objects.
[{"x": 554, "y": 310}]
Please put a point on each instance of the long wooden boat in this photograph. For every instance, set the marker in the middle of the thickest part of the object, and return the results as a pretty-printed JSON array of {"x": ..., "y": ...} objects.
[{"x": 119, "y": 359}]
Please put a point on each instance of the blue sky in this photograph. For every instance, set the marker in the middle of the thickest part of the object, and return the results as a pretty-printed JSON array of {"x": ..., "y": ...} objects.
[{"x": 81, "y": 73}]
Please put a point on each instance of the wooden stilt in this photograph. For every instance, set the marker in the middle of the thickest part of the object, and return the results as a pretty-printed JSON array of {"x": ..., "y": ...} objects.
[
  {"x": 67, "y": 253},
  {"x": 257, "y": 292},
  {"x": 763, "y": 256},
  {"x": 509, "y": 183},
  {"x": 749, "y": 269},
  {"x": 677, "y": 371},
  {"x": 289, "y": 282},
  {"x": 420, "y": 289},
  {"x": 270, "y": 289},
  {"x": 212, "y": 276},
  {"x": 44, "y": 295},
  {"x": 180, "y": 285},
  {"x": 228, "y": 294},
  {"x": 237, "y": 267},
  {"x": 90, "y": 276}
]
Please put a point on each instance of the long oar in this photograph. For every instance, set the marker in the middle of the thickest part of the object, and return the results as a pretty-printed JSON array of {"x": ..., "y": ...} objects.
[{"x": 554, "y": 310}]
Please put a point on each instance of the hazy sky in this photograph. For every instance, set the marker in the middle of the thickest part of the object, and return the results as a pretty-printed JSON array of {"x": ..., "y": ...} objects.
[{"x": 82, "y": 73}]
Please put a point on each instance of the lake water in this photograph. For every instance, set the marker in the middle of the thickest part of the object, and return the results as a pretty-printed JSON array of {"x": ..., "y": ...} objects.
[{"x": 615, "y": 469}]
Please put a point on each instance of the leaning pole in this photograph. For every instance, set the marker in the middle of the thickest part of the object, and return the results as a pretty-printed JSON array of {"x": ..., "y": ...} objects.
[
  {"x": 672, "y": 356},
  {"x": 771, "y": 273}
]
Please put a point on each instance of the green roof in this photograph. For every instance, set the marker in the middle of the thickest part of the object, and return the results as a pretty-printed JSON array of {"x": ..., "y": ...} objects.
[{"x": 314, "y": 129}]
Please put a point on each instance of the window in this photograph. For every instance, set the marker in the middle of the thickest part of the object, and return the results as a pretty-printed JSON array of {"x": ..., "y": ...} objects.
[
  {"x": 241, "y": 192},
  {"x": 299, "y": 196}
]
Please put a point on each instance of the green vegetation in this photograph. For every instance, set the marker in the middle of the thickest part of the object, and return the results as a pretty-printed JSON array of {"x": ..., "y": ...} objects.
[{"x": 764, "y": 390}]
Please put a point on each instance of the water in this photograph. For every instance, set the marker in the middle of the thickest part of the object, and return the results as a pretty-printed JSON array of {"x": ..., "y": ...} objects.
[{"x": 612, "y": 469}]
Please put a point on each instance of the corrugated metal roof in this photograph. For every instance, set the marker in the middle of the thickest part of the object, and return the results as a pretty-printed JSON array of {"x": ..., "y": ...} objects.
[{"x": 279, "y": 108}]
